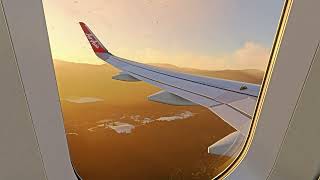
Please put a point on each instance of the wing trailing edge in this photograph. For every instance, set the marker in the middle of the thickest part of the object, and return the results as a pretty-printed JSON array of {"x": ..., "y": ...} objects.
[{"x": 228, "y": 146}]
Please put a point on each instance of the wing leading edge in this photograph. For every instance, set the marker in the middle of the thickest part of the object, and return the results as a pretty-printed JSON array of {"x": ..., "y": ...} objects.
[{"x": 232, "y": 101}]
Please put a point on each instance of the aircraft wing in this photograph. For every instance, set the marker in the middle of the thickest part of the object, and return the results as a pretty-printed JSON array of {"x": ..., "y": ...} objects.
[{"x": 232, "y": 101}]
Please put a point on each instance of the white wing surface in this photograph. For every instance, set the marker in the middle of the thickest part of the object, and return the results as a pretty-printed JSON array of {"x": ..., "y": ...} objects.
[{"x": 232, "y": 101}]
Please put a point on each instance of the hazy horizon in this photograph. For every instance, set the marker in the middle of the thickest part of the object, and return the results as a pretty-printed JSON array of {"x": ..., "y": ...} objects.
[{"x": 155, "y": 64}]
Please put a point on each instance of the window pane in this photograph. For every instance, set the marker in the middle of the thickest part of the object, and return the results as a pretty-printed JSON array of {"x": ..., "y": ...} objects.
[{"x": 194, "y": 82}]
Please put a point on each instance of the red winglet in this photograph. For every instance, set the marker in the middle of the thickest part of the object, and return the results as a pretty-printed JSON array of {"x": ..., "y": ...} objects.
[{"x": 94, "y": 42}]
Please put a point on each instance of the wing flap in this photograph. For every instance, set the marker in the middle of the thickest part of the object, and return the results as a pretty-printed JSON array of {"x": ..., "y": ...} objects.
[
  {"x": 229, "y": 145},
  {"x": 233, "y": 117},
  {"x": 246, "y": 105}
]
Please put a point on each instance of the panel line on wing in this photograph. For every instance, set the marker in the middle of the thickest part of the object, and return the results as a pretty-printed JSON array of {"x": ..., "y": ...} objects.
[
  {"x": 246, "y": 105},
  {"x": 241, "y": 112}
]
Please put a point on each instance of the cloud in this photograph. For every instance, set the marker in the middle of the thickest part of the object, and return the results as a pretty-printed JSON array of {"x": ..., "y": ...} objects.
[
  {"x": 251, "y": 55},
  {"x": 183, "y": 115},
  {"x": 120, "y": 127}
]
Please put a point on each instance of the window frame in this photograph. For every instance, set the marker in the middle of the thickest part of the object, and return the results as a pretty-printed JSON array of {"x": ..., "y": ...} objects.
[{"x": 293, "y": 41}]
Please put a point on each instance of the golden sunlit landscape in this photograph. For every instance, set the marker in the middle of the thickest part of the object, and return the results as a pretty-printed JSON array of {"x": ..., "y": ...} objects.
[{"x": 114, "y": 132}]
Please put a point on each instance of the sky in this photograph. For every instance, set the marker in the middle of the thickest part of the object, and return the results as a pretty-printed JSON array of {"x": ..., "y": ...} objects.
[{"x": 202, "y": 34}]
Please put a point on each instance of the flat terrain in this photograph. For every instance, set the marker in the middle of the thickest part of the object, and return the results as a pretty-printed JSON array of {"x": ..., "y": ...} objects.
[{"x": 114, "y": 132}]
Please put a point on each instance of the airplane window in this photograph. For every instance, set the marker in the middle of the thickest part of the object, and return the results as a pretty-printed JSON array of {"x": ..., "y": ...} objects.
[{"x": 159, "y": 89}]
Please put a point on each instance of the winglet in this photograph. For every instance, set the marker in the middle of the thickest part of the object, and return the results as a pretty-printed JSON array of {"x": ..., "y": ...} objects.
[{"x": 96, "y": 45}]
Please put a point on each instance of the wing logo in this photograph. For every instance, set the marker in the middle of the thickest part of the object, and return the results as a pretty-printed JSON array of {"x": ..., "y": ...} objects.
[{"x": 93, "y": 41}]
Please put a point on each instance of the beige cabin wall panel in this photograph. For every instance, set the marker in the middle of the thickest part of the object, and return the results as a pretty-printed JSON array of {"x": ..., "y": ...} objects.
[{"x": 19, "y": 152}]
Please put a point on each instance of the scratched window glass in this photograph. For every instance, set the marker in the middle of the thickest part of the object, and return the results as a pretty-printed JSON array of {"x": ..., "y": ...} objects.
[{"x": 159, "y": 89}]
